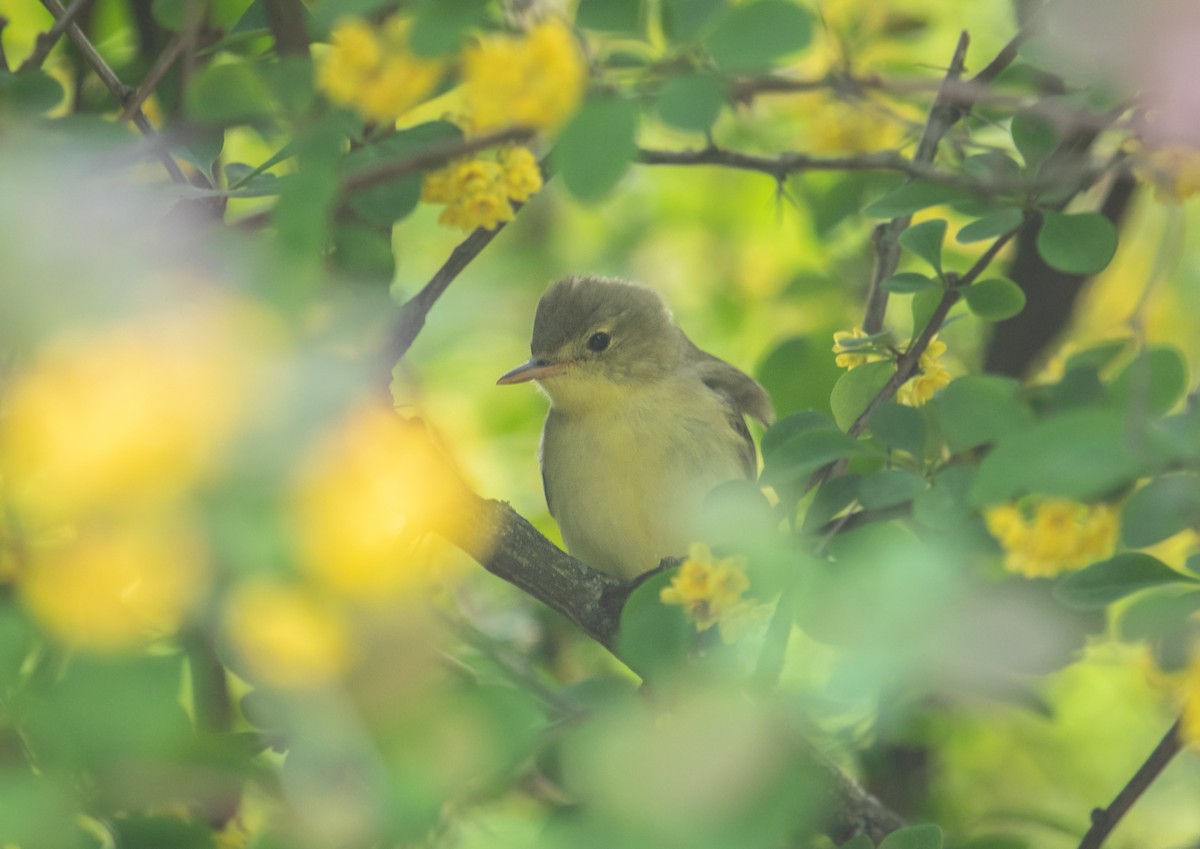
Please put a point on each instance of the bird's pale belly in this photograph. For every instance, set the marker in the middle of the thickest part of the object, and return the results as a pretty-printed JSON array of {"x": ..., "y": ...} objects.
[{"x": 627, "y": 496}]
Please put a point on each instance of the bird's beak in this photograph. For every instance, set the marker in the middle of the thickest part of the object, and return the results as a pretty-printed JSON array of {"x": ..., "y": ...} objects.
[{"x": 535, "y": 369}]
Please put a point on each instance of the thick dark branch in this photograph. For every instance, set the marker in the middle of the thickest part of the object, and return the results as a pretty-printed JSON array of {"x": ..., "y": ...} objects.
[
  {"x": 1104, "y": 820},
  {"x": 781, "y": 166},
  {"x": 509, "y": 547},
  {"x": 285, "y": 19},
  {"x": 46, "y": 40}
]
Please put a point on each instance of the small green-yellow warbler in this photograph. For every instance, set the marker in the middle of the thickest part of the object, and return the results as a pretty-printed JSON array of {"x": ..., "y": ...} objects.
[{"x": 642, "y": 423}]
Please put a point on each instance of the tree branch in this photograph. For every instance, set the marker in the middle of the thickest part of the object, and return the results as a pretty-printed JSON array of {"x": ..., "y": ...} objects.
[
  {"x": 111, "y": 81},
  {"x": 285, "y": 19},
  {"x": 943, "y": 114},
  {"x": 46, "y": 40},
  {"x": 1104, "y": 820},
  {"x": 430, "y": 158}
]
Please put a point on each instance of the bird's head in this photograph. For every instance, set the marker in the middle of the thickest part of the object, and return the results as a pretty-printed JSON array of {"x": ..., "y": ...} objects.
[{"x": 595, "y": 335}]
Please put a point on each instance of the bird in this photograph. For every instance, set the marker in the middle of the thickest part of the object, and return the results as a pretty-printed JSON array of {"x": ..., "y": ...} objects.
[{"x": 642, "y": 423}]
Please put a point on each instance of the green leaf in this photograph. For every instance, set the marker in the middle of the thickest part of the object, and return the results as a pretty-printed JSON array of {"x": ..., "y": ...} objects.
[
  {"x": 899, "y": 427},
  {"x": 914, "y": 837},
  {"x": 859, "y": 841},
  {"x": 683, "y": 20},
  {"x": 913, "y": 197},
  {"x": 751, "y": 36},
  {"x": 610, "y": 15},
  {"x": 228, "y": 93},
  {"x": 924, "y": 304},
  {"x": 1098, "y": 356},
  {"x": 799, "y": 373},
  {"x": 595, "y": 148},
  {"x": 979, "y": 409},
  {"x": 438, "y": 27},
  {"x": 909, "y": 282},
  {"x": 1035, "y": 137},
  {"x": 29, "y": 91},
  {"x": 1077, "y": 243},
  {"x": 889, "y": 487},
  {"x": 787, "y": 427},
  {"x": 692, "y": 102},
  {"x": 169, "y": 13},
  {"x": 1152, "y": 382},
  {"x": 994, "y": 299},
  {"x": 1161, "y": 509},
  {"x": 995, "y": 166},
  {"x": 1078, "y": 455},
  {"x": 1100, "y": 584},
  {"x": 925, "y": 240},
  {"x": 990, "y": 226},
  {"x": 364, "y": 252},
  {"x": 653, "y": 638},
  {"x": 834, "y": 496},
  {"x": 801, "y": 455},
  {"x": 855, "y": 389},
  {"x": 945, "y": 506},
  {"x": 1157, "y": 613},
  {"x": 154, "y": 832}
]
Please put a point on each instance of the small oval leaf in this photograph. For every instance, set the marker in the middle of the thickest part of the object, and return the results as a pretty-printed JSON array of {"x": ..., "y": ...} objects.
[
  {"x": 1077, "y": 243},
  {"x": 995, "y": 299}
]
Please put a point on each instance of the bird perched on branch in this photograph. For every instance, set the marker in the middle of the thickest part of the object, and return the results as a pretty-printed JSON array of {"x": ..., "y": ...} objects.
[{"x": 642, "y": 423}]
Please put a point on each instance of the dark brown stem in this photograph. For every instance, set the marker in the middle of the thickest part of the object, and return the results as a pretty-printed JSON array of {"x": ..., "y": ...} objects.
[
  {"x": 430, "y": 158},
  {"x": 113, "y": 83},
  {"x": 3, "y": 58},
  {"x": 1104, "y": 820},
  {"x": 46, "y": 40},
  {"x": 285, "y": 19},
  {"x": 943, "y": 114},
  {"x": 163, "y": 64}
]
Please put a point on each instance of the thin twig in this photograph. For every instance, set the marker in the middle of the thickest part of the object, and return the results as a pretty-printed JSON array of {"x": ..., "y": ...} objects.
[
  {"x": 113, "y": 83},
  {"x": 943, "y": 114},
  {"x": 430, "y": 158},
  {"x": 1104, "y": 820},
  {"x": 415, "y": 310},
  {"x": 163, "y": 64},
  {"x": 46, "y": 40}
]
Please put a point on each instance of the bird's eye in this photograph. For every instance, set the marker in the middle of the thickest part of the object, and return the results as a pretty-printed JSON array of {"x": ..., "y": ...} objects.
[{"x": 599, "y": 341}]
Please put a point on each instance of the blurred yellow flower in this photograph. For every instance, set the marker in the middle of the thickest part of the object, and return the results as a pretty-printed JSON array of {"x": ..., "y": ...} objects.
[
  {"x": 479, "y": 192},
  {"x": 133, "y": 413},
  {"x": 933, "y": 377},
  {"x": 118, "y": 584},
  {"x": 1173, "y": 171},
  {"x": 372, "y": 487},
  {"x": 376, "y": 73},
  {"x": 287, "y": 636},
  {"x": 711, "y": 591},
  {"x": 532, "y": 80},
  {"x": 853, "y": 349},
  {"x": 1060, "y": 536}
]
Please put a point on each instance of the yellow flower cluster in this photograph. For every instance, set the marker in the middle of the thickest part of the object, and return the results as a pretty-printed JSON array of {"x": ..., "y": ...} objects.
[
  {"x": 711, "y": 591},
  {"x": 533, "y": 80},
  {"x": 104, "y": 439},
  {"x": 854, "y": 348},
  {"x": 1060, "y": 536},
  {"x": 286, "y": 635},
  {"x": 1174, "y": 172},
  {"x": 480, "y": 192},
  {"x": 376, "y": 73},
  {"x": 373, "y": 486},
  {"x": 931, "y": 378}
]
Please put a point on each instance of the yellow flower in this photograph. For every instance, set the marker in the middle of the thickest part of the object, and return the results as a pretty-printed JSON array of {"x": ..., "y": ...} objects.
[
  {"x": 477, "y": 191},
  {"x": 711, "y": 591},
  {"x": 286, "y": 636},
  {"x": 372, "y": 487},
  {"x": 933, "y": 377},
  {"x": 1060, "y": 536},
  {"x": 380, "y": 77},
  {"x": 535, "y": 80},
  {"x": 1173, "y": 171},
  {"x": 852, "y": 353},
  {"x": 133, "y": 413},
  {"x": 522, "y": 177},
  {"x": 115, "y": 586}
]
